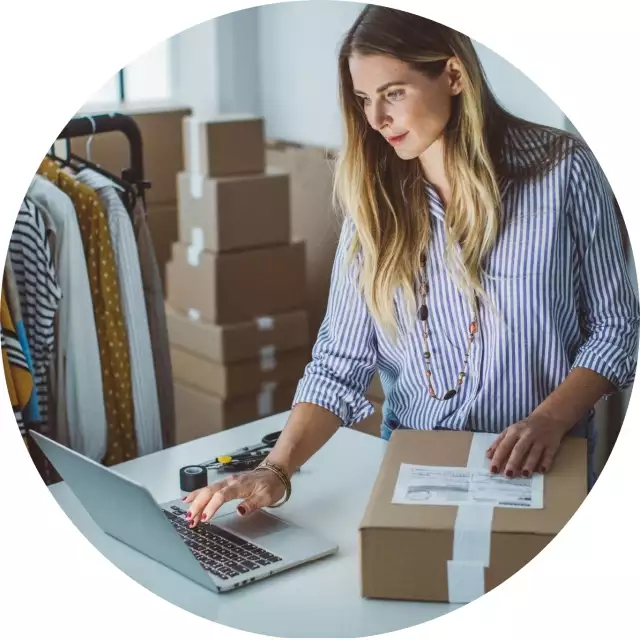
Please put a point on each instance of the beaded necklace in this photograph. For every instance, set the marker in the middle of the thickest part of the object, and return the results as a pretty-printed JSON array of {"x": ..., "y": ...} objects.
[{"x": 423, "y": 315}]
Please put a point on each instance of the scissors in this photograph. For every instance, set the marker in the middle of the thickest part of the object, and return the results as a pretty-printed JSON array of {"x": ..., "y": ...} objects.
[{"x": 246, "y": 457}]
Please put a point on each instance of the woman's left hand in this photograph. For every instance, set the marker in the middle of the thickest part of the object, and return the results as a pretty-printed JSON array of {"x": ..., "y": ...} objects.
[{"x": 526, "y": 447}]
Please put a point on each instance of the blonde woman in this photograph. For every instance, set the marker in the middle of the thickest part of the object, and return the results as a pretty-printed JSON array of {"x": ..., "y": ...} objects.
[{"x": 479, "y": 269}]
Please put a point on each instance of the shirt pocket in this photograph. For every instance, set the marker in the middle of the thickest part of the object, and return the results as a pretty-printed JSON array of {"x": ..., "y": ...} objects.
[{"x": 522, "y": 248}]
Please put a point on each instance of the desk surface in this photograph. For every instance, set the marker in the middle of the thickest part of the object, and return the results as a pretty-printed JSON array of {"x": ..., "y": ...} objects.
[{"x": 321, "y": 599}]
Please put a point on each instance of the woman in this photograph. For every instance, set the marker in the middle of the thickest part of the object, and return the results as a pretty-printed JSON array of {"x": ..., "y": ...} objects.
[{"x": 479, "y": 268}]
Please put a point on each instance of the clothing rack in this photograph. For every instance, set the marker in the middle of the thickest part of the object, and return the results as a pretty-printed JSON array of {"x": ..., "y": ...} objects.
[{"x": 89, "y": 125}]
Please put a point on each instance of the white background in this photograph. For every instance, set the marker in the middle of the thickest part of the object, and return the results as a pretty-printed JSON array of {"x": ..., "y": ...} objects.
[{"x": 54, "y": 56}]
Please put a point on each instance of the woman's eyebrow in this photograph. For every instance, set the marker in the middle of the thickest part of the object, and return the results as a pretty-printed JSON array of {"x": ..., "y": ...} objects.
[{"x": 384, "y": 87}]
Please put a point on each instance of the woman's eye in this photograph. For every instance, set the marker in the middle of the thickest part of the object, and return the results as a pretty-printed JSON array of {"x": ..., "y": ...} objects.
[{"x": 395, "y": 95}]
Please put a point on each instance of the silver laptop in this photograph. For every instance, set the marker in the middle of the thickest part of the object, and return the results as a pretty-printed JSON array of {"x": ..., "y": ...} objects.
[{"x": 227, "y": 552}]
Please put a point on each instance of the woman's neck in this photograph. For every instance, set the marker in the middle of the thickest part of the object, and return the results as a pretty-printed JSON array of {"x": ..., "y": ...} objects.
[{"x": 432, "y": 161}]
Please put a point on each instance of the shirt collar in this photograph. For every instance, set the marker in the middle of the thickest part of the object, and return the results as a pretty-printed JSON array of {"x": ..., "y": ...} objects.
[{"x": 436, "y": 206}]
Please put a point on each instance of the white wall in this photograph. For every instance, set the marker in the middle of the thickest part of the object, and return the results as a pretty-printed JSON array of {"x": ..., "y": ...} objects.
[
  {"x": 279, "y": 61},
  {"x": 194, "y": 68},
  {"x": 298, "y": 53}
]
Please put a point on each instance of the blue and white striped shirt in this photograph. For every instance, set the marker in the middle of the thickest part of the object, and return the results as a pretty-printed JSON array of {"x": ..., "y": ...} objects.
[{"x": 561, "y": 284}]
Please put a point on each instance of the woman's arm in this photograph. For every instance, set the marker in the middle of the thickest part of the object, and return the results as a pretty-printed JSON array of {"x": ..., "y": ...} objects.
[
  {"x": 332, "y": 393},
  {"x": 607, "y": 359}
]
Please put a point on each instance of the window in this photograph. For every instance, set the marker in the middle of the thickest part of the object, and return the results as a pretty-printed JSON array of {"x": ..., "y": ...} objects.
[{"x": 146, "y": 78}]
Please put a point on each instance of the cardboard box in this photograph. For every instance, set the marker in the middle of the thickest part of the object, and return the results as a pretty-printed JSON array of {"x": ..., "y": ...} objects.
[
  {"x": 240, "y": 212},
  {"x": 162, "y": 219},
  {"x": 405, "y": 549},
  {"x": 225, "y": 288},
  {"x": 225, "y": 344},
  {"x": 225, "y": 145},
  {"x": 239, "y": 378},
  {"x": 199, "y": 414},
  {"x": 160, "y": 125},
  {"x": 314, "y": 220}
]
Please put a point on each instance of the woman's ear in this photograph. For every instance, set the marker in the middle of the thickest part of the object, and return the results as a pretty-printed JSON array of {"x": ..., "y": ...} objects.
[{"x": 453, "y": 70}]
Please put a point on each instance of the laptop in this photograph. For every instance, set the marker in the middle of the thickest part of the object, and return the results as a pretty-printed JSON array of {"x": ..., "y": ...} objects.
[{"x": 225, "y": 553}]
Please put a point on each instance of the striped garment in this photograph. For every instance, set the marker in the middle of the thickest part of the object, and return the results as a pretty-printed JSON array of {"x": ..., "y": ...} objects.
[
  {"x": 558, "y": 277},
  {"x": 39, "y": 293}
]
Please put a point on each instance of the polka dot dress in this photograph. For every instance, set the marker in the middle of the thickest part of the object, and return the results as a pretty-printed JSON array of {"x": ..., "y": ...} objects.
[{"x": 105, "y": 294}]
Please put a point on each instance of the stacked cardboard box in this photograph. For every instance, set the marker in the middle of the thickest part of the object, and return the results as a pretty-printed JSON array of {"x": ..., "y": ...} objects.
[{"x": 236, "y": 292}]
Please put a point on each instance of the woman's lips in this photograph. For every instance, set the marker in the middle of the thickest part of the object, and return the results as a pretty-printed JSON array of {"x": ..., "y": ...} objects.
[{"x": 395, "y": 140}]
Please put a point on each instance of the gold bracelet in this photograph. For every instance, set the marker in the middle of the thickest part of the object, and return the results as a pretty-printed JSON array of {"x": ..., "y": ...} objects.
[{"x": 284, "y": 478}]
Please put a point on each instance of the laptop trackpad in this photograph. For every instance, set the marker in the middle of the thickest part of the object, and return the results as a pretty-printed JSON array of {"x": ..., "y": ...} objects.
[{"x": 256, "y": 525}]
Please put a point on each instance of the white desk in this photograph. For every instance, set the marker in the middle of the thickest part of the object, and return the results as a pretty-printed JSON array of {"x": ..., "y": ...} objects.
[{"x": 321, "y": 599}]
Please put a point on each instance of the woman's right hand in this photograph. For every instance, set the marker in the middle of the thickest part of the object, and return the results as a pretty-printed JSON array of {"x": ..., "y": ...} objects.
[{"x": 256, "y": 489}]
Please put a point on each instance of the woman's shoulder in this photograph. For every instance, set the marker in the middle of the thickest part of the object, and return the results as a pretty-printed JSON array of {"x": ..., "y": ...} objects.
[{"x": 535, "y": 151}]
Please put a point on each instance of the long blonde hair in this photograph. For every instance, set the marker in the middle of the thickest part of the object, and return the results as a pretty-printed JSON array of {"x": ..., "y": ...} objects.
[{"x": 386, "y": 197}]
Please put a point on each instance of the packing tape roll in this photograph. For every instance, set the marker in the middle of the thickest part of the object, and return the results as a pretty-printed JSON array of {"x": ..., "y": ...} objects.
[
  {"x": 471, "y": 535},
  {"x": 265, "y": 399},
  {"x": 265, "y": 323},
  {"x": 268, "y": 360},
  {"x": 195, "y": 249},
  {"x": 193, "y": 477}
]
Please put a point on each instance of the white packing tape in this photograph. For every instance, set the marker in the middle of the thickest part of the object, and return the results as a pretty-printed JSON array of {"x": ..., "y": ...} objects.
[
  {"x": 471, "y": 535},
  {"x": 268, "y": 360},
  {"x": 197, "y": 185},
  {"x": 265, "y": 323},
  {"x": 265, "y": 399},
  {"x": 194, "y": 250}
]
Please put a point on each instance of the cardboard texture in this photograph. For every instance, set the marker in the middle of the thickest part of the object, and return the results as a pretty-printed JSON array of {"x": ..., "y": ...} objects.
[
  {"x": 236, "y": 342},
  {"x": 313, "y": 217},
  {"x": 372, "y": 424},
  {"x": 239, "y": 378},
  {"x": 404, "y": 549},
  {"x": 160, "y": 126},
  {"x": 225, "y": 145},
  {"x": 225, "y": 288},
  {"x": 225, "y": 214},
  {"x": 199, "y": 414},
  {"x": 162, "y": 220}
]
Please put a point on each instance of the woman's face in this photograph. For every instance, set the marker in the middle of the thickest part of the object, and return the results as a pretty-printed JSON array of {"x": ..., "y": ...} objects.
[{"x": 405, "y": 106}]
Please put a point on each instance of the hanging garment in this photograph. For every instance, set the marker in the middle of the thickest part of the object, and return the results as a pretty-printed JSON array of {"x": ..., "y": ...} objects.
[
  {"x": 38, "y": 291},
  {"x": 14, "y": 362},
  {"x": 80, "y": 408},
  {"x": 143, "y": 379},
  {"x": 154, "y": 300},
  {"x": 105, "y": 294},
  {"x": 31, "y": 412}
]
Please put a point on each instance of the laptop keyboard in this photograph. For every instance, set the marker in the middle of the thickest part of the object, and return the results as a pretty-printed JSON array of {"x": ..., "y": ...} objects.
[{"x": 218, "y": 551}]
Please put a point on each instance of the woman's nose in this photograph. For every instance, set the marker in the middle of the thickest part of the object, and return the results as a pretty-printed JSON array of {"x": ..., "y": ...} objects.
[{"x": 379, "y": 118}]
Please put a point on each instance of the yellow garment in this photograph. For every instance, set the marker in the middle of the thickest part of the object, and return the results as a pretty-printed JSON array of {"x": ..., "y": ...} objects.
[
  {"x": 16, "y": 371},
  {"x": 105, "y": 294}
]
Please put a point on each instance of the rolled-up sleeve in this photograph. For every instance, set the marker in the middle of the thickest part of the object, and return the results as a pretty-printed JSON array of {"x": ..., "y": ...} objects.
[
  {"x": 344, "y": 355},
  {"x": 610, "y": 310}
]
